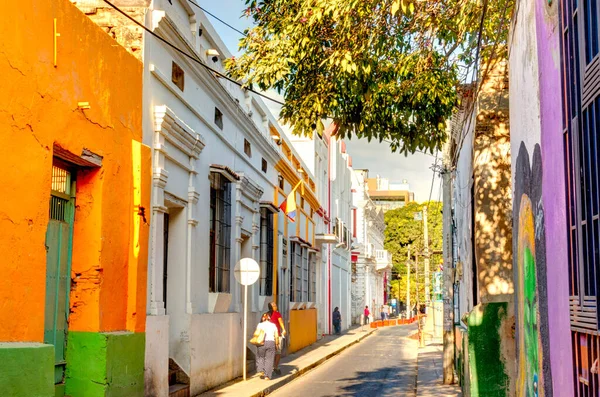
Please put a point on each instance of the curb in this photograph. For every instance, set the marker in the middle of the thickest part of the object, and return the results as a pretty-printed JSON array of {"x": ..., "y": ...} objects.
[{"x": 288, "y": 378}]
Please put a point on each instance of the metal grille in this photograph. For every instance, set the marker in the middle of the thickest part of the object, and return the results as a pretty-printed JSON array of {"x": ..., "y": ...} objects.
[
  {"x": 266, "y": 252},
  {"x": 61, "y": 180},
  {"x": 296, "y": 273},
  {"x": 220, "y": 233},
  {"x": 312, "y": 284},
  {"x": 581, "y": 86},
  {"x": 58, "y": 208},
  {"x": 305, "y": 275}
]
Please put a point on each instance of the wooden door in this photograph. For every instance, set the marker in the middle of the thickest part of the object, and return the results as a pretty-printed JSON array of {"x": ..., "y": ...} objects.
[{"x": 59, "y": 240}]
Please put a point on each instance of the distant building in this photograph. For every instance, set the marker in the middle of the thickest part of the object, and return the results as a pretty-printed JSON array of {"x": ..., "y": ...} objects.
[
  {"x": 371, "y": 263},
  {"x": 389, "y": 196}
]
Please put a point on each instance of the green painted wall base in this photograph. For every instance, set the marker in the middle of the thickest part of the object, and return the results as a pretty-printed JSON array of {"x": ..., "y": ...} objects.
[
  {"x": 487, "y": 371},
  {"x": 26, "y": 369},
  {"x": 105, "y": 364}
]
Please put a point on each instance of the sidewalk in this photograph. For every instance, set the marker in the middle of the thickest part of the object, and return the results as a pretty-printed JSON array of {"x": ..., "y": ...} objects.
[
  {"x": 293, "y": 365},
  {"x": 430, "y": 373}
]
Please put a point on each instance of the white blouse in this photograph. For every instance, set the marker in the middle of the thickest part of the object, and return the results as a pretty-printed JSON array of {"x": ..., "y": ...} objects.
[{"x": 270, "y": 330}]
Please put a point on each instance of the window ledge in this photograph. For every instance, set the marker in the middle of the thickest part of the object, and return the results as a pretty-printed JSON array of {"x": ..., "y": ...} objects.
[{"x": 219, "y": 302}]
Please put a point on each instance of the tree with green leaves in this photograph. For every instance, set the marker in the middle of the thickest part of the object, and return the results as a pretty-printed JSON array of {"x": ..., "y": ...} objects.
[
  {"x": 403, "y": 229},
  {"x": 383, "y": 69}
]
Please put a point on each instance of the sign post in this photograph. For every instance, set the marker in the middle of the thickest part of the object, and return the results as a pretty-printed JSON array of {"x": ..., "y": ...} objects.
[{"x": 246, "y": 272}]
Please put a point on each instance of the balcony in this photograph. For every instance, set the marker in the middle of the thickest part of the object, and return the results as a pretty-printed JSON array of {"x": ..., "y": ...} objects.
[
  {"x": 383, "y": 259},
  {"x": 369, "y": 251}
]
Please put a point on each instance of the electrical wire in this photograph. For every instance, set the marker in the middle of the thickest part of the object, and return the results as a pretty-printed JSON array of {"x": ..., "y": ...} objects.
[
  {"x": 190, "y": 56},
  {"x": 217, "y": 18}
]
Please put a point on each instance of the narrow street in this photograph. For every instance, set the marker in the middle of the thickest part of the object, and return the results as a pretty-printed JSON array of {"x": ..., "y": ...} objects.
[{"x": 384, "y": 364}]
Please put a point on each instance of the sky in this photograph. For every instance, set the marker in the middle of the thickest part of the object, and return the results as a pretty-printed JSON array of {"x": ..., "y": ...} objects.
[{"x": 374, "y": 156}]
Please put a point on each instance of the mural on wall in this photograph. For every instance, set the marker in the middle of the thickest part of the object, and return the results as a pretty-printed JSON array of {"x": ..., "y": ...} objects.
[{"x": 534, "y": 377}]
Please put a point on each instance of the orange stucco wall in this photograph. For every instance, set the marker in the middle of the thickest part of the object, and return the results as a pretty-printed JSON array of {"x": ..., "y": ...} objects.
[
  {"x": 303, "y": 329},
  {"x": 38, "y": 109}
]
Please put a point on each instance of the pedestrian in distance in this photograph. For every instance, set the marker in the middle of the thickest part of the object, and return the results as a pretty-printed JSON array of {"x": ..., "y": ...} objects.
[
  {"x": 367, "y": 313},
  {"x": 278, "y": 321},
  {"x": 265, "y": 354},
  {"x": 337, "y": 320},
  {"x": 382, "y": 313}
]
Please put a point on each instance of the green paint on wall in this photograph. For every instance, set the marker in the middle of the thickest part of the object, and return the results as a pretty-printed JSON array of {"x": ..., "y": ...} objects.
[
  {"x": 26, "y": 369},
  {"x": 487, "y": 372},
  {"x": 105, "y": 364}
]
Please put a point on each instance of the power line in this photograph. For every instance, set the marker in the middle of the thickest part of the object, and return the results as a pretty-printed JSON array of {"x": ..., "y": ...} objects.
[
  {"x": 217, "y": 18},
  {"x": 192, "y": 57}
]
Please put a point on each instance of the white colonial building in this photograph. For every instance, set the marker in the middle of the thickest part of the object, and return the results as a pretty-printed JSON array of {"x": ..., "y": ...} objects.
[
  {"x": 222, "y": 165},
  {"x": 327, "y": 158},
  {"x": 371, "y": 263}
]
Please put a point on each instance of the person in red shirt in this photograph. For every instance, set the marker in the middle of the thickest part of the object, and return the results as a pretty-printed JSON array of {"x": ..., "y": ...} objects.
[
  {"x": 278, "y": 321},
  {"x": 367, "y": 312}
]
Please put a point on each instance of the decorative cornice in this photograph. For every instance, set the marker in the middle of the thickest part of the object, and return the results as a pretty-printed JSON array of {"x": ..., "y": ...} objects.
[
  {"x": 269, "y": 206},
  {"x": 250, "y": 188},
  {"x": 177, "y": 132},
  {"x": 193, "y": 195},
  {"x": 159, "y": 177},
  {"x": 175, "y": 200},
  {"x": 225, "y": 171},
  {"x": 225, "y": 99}
]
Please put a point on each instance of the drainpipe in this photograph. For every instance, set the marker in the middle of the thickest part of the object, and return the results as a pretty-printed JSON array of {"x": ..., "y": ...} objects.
[{"x": 329, "y": 232}]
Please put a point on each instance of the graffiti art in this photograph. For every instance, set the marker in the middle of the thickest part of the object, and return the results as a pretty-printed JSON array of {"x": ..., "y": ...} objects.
[{"x": 529, "y": 246}]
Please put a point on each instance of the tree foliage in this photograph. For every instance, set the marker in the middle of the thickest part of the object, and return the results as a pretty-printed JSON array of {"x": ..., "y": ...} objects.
[
  {"x": 383, "y": 69},
  {"x": 402, "y": 231}
]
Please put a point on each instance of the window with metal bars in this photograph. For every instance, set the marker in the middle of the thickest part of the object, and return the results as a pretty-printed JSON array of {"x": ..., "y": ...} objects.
[
  {"x": 266, "y": 252},
  {"x": 298, "y": 254},
  {"x": 581, "y": 123},
  {"x": 305, "y": 275},
  {"x": 61, "y": 193},
  {"x": 312, "y": 274},
  {"x": 220, "y": 233}
]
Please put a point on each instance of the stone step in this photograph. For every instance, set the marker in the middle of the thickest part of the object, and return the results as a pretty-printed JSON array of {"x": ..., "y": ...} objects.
[{"x": 179, "y": 390}]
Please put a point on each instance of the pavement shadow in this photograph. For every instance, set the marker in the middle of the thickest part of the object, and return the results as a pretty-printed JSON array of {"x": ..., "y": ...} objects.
[{"x": 384, "y": 381}]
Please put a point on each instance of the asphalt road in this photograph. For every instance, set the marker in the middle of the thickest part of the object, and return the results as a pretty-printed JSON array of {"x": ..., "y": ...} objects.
[{"x": 384, "y": 364}]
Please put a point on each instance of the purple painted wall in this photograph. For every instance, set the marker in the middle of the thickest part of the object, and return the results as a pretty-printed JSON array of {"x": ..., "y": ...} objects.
[{"x": 554, "y": 196}]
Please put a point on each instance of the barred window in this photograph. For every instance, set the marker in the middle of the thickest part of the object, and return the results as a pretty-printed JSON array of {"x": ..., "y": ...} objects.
[
  {"x": 220, "y": 233},
  {"x": 305, "y": 275},
  {"x": 312, "y": 274},
  {"x": 581, "y": 123},
  {"x": 296, "y": 273},
  {"x": 266, "y": 252}
]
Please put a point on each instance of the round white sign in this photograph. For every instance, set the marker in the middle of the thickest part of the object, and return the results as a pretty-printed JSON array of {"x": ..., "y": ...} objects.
[{"x": 246, "y": 271}]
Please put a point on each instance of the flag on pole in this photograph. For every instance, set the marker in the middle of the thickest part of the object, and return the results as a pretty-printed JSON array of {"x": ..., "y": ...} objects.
[{"x": 289, "y": 204}]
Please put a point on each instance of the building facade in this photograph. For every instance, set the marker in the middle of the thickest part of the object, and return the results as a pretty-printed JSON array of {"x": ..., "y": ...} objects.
[
  {"x": 221, "y": 168},
  {"x": 387, "y": 195},
  {"x": 331, "y": 165},
  {"x": 371, "y": 263},
  {"x": 479, "y": 150},
  {"x": 76, "y": 214}
]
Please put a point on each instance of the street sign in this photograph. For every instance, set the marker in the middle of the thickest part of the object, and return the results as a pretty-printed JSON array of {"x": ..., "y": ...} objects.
[{"x": 246, "y": 271}]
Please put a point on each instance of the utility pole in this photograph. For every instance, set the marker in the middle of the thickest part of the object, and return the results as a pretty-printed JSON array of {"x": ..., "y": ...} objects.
[
  {"x": 419, "y": 317},
  {"x": 426, "y": 262},
  {"x": 448, "y": 285},
  {"x": 407, "y": 284}
]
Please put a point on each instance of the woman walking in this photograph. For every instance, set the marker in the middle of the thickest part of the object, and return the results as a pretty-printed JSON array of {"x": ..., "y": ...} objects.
[
  {"x": 266, "y": 353},
  {"x": 337, "y": 320}
]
